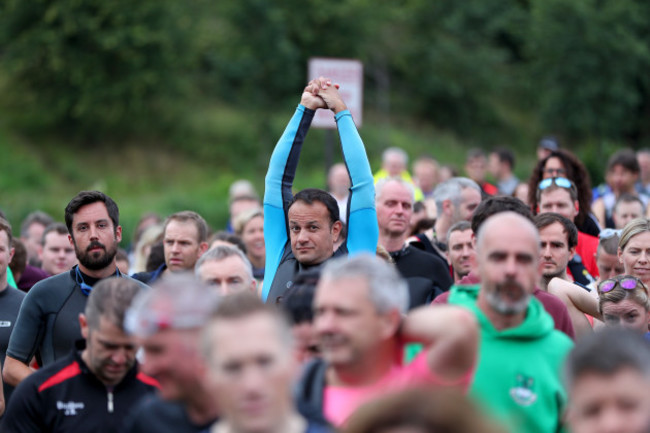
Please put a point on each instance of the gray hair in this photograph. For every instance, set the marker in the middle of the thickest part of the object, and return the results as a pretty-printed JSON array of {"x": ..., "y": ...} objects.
[
  {"x": 388, "y": 290},
  {"x": 397, "y": 151},
  {"x": 381, "y": 183},
  {"x": 177, "y": 301},
  {"x": 110, "y": 298},
  {"x": 451, "y": 190},
  {"x": 222, "y": 252}
]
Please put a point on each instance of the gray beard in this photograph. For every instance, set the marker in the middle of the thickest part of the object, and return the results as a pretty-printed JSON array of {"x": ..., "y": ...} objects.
[{"x": 505, "y": 308}]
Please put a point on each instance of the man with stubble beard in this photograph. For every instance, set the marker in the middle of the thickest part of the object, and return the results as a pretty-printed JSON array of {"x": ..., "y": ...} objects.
[{"x": 48, "y": 322}]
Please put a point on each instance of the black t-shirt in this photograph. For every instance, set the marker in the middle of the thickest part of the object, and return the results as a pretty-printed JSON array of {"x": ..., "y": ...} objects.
[
  {"x": 153, "y": 414},
  {"x": 10, "y": 301}
]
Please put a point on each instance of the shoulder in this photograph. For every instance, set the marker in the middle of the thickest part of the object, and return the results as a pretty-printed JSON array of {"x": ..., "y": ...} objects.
[
  {"x": 54, "y": 284},
  {"x": 52, "y": 375}
]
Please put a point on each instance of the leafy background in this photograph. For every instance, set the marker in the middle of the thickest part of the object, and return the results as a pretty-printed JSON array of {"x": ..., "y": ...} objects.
[{"x": 162, "y": 104}]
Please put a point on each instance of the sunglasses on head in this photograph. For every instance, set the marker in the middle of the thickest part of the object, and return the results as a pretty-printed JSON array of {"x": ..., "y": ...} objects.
[
  {"x": 627, "y": 283},
  {"x": 562, "y": 182},
  {"x": 609, "y": 233}
]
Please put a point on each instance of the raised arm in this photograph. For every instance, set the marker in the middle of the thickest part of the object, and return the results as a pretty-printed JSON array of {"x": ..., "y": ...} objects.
[
  {"x": 450, "y": 335},
  {"x": 363, "y": 231},
  {"x": 279, "y": 180}
]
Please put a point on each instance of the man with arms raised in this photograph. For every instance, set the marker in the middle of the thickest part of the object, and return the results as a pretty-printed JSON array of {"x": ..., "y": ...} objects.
[
  {"x": 91, "y": 389},
  {"x": 521, "y": 389},
  {"x": 248, "y": 348},
  {"x": 300, "y": 231},
  {"x": 427, "y": 275},
  {"x": 185, "y": 236},
  {"x": 168, "y": 320},
  {"x": 226, "y": 268},
  {"x": 359, "y": 310},
  {"x": 48, "y": 324}
]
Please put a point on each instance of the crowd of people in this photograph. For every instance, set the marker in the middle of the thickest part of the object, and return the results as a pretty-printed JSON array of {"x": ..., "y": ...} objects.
[{"x": 392, "y": 302}]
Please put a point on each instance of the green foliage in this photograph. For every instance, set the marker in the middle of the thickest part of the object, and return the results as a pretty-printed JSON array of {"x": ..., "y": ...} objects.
[
  {"x": 591, "y": 60},
  {"x": 92, "y": 67}
]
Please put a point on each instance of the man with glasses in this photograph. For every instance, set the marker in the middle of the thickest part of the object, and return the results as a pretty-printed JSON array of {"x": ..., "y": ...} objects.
[{"x": 559, "y": 195}]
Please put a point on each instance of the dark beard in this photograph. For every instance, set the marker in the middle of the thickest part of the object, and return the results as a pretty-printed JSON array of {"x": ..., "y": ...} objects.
[{"x": 96, "y": 260}]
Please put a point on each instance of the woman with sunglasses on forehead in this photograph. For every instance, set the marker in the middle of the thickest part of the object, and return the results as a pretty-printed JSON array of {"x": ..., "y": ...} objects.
[
  {"x": 623, "y": 301},
  {"x": 562, "y": 163}
]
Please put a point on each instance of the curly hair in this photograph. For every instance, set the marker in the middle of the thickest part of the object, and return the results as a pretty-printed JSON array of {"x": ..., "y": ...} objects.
[{"x": 575, "y": 172}]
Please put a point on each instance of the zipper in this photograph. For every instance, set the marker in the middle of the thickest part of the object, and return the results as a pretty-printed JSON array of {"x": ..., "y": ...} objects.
[{"x": 110, "y": 400}]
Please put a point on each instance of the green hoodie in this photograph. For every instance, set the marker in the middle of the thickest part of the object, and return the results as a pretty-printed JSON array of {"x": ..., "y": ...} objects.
[{"x": 517, "y": 378}]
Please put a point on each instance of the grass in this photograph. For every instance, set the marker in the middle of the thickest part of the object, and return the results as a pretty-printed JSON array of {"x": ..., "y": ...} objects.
[{"x": 194, "y": 168}]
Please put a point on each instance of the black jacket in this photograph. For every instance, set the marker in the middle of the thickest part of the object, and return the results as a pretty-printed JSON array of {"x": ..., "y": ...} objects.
[{"x": 67, "y": 397}]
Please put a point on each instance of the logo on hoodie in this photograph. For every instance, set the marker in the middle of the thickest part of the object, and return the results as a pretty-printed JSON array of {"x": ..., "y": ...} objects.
[{"x": 522, "y": 393}]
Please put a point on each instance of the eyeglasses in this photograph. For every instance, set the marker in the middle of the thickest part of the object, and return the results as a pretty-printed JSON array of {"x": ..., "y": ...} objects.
[
  {"x": 609, "y": 233},
  {"x": 627, "y": 283},
  {"x": 562, "y": 182}
]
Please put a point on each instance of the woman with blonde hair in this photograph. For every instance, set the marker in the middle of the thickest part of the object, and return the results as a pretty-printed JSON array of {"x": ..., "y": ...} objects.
[
  {"x": 249, "y": 226},
  {"x": 634, "y": 249}
]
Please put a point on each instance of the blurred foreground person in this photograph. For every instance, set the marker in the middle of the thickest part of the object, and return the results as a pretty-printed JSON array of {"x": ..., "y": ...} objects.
[
  {"x": 91, "y": 389},
  {"x": 248, "y": 348},
  {"x": 359, "y": 320},
  {"x": 420, "y": 410},
  {"x": 300, "y": 230},
  {"x": 608, "y": 379},
  {"x": 523, "y": 389},
  {"x": 168, "y": 321}
]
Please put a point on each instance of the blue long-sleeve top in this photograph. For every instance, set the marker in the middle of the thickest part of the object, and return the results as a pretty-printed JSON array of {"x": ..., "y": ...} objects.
[{"x": 363, "y": 233}]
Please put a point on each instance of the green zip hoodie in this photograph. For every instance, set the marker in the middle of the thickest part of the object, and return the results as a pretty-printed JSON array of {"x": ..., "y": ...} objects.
[{"x": 517, "y": 378}]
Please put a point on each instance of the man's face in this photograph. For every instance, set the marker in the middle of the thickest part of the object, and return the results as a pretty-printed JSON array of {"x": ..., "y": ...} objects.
[
  {"x": 241, "y": 205},
  {"x": 476, "y": 168},
  {"x": 181, "y": 245},
  {"x": 312, "y": 233},
  {"x": 619, "y": 402},
  {"x": 348, "y": 326},
  {"x": 173, "y": 358},
  {"x": 426, "y": 175},
  {"x": 394, "y": 208},
  {"x": 508, "y": 262},
  {"x": 461, "y": 254},
  {"x": 555, "y": 253},
  {"x": 33, "y": 239},
  {"x": 558, "y": 201},
  {"x": 227, "y": 275},
  {"x": 469, "y": 201},
  {"x": 58, "y": 254},
  {"x": 94, "y": 237},
  {"x": 109, "y": 353},
  {"x": 621, "y": 180},
  {"x": 608, "y": 265},
  {"x": 253, "y": 237},
  {"x": 6, "y": 253},
  {"x": 494, "y": 165},
  {"x": 251, "y": 371},
  {"x": 394, "y": 165},
  {"x": 626, "y": 212}
]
